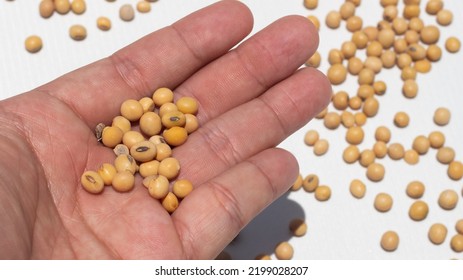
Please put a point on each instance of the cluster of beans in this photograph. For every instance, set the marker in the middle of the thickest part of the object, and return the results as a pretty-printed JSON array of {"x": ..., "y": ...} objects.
[
  {"x": 163, "y": 125},
  {"x": 400, "y": 40},
  {"x": 78, "y": 32}
]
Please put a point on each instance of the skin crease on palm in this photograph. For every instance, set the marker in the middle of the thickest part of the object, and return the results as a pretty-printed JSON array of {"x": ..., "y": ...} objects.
[{"x": 253, "y": 92}]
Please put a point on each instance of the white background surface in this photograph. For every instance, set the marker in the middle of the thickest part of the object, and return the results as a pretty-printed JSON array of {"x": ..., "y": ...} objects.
[{"x": 341, "y": 228}]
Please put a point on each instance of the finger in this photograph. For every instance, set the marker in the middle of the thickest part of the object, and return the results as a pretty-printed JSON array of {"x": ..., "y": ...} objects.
[
  {"x": 164, "y": 58},
  {"x": 265, "y": 59},
  {"x": 211, "y": 216},
  {"x": 257, "y": 125}
]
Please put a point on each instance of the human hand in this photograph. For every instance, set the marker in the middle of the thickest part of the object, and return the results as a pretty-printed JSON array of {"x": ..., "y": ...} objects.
[{"x": 251, "y": 98}]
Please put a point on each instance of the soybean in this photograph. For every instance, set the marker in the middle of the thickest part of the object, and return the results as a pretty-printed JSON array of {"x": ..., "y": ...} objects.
[
  {"x": 311, "y": 4},
  {"x": 122, "y": 123},
  {"x": 151, "y": 123},
  {"x": 429, "y": 34},
  {"x": 175, "y": 136},
  {"x": 172, "y": 119},
  {"x": 78, "y": 32},
  {"x": 411, "y": 157},
  {"x": 383, "y": 202},
  {"x": 459, "y": 226},
  {"x": 158, "y": 187},
  {"x": 298, "y": 227},
  {"x": 354, "y": 23},
  {"x": 169, "y": 167},
  {"x": 182, "y": 188},
  {"x": 149, "y": 168},
  {"x": 103, "y": 23},
  {"x": 410, "y": 88},
  {"x": 78, "y": 7},
  {"x": 370, "y": 107},
  {"x": 366, "y": 77},
  {"x": 162, "y": 96},
  {"x": 143, "y": 151},
  {"x": 126, "y": 12},
  {"x": 351, "y": 154},
  {"x": 111, "y": 136},
  {"x": 375, "y": 172},
  {"x": 297, "y": 184},
  {"x": 332, "y": 120},
  {"x": 360, "y": 39},
  {"x": 310, "y": 183},
  {"x": 187, "y": 105},
  {"x": 170, "y": 202},
  {"x": 314, "y": 60},
  {"x": 434, "y": 6},
  {"x": 321, "y": 147},
  {"x": 415, "y": 189},
  {"x": 354, "y": 66},
  {"x": 131, "y": 109},
  {"x": 452, "y": 45},
  {"x": 418, "y": 210},
  {"x": 125, "y": 163},
  {"x": 284, "y": 251},
  {"x": 131, "y": 138},
  {"x": 360, "y": 118},
  {"x": 367, "y": 157},
  {"x": 337, "y": 74},
  {"x": 433, "y": 53},
  {"x": 445, "y": 155},
  {"x": 421, "y": 144},
  {"x": 322, "y": 193},
  {"x": 46, "y": 8},
  {"x": 147, "y": 103},
  {"x": 123, "y": 181},
  {"x": 166, "y": 108},
  {"x": 347, "y": 10},
  {"x": 348, "y": 49},
  {"x": 121, "y": 149},
  {"x": 333, "y": 19},
  {"x": 389, "y": 241},
  {"x": 315, "y": 21},
  {"x": 355, "y": 135},
  {"x": 437, "y": 233},
  {"x": 442, "y": 116},
  {"x": 33, "y": 43},
  {"x": 92, "y": 182},
  {"x": 396, "y": 151},
  {"x": 401, "y": 119},
  {"x": 456, "y": 243},
  {"x": 347, "y": 119},
  {"x": 444, "y": 17},
  {"x": 448, "y": 199},
  {"x": 143, "y": 6},
  {"x": 380, "y": 149},
  {"x": 355, "y": 103},
  {"x": 335, "y": 56},
  {"x": 436, "y": 139},
  {"x": 383, "y": 134},
  {"x": 163, "y": 151},
  {"x": 357, "y": 188},
  {"x": 340, "y": 100},
  {"x": 455, "y": 170},
  {"x": 191, "y": 123},
  {"x": 107, "y": 172},
  {"x": 311, "y": 137},
  {"x": 62, "y": 6}
]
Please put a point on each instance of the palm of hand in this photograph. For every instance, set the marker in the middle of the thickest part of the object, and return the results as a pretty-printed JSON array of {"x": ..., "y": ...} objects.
[{"x": 49, "y": 138}]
